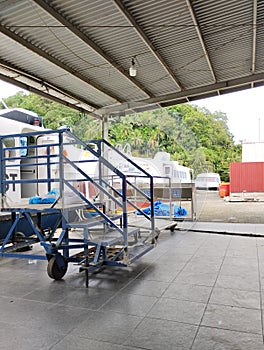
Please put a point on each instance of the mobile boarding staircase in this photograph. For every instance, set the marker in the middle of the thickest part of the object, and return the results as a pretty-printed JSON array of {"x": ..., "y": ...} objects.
[{"x": 93, "y": 212}]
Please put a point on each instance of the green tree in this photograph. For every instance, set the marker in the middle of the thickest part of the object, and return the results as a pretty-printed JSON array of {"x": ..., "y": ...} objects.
[
  {"x": 193, "y": 136},
  {"x": 55, "y": 115}
]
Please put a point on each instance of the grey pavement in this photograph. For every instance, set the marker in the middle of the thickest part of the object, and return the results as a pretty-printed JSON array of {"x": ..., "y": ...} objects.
[
  {"x": 195, "y": 290},
  {"x": 223, "y": 227}
]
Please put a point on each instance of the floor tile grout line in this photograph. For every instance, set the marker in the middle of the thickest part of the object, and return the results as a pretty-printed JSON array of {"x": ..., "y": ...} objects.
[
  {"x": 210, "y": 293},
  {"x": 169, "y": 284},
  {"x": 127, "y": 284},
  {"x": 57, "y": 342},
  {"x": 197, "y": 325},
  {"x": 135, "y": 278},
  {"x": 146, "y": 316},
  {"x": 230, "y": 330},
  {"x": 158, "y": 298}
]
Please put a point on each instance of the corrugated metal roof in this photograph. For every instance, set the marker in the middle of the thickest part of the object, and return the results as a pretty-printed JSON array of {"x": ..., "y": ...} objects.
[{"x": 79, "y": 51}]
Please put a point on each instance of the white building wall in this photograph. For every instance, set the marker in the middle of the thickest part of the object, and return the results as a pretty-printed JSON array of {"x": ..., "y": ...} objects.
[{"x": 253, "y": 152}]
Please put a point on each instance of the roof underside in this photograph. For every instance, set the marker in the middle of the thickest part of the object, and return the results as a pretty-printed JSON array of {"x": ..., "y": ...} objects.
[{"x": 78, "y": 52}]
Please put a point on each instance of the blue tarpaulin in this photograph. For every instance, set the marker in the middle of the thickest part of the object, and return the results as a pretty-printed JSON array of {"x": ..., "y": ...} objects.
[
  {"x": 163, "y": 209},
  {"x": 41, "y": 200},
  {"x": 50, "y": 198}
]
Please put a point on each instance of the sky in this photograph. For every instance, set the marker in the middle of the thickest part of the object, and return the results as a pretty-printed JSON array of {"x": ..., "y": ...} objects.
[{"x": 244, "y": 110}]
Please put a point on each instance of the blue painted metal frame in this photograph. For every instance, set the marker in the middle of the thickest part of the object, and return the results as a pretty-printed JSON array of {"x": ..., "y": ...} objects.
[{"x": 62, "y": 245}]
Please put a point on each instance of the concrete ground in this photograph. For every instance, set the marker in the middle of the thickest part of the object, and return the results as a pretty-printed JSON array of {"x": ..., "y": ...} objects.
[
  {"x": 194, "y": 291},
  {"x": 210, "y": 207}
]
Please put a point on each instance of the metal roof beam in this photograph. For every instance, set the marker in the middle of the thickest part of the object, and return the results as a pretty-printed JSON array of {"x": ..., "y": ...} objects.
[
  {"x": 6, "y": 66},
  {"x": 16, "y": 76},
  {"x": 147, "y": 41},
  {"x": 70, "y": 26},
  {"x": 254, "y": 38},
  {"x": 201, "y": 92},
  {"x": 46, "y": 95},
  {"x": 201, "y": 39},
  {"x": 58, "y": 63}
]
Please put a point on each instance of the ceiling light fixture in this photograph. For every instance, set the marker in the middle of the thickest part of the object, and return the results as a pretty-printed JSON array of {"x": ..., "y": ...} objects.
[{"x": 132, "y": 69}]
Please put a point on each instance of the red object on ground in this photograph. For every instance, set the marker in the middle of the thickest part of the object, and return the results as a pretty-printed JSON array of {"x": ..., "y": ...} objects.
[{"x": 224, "y": 189}]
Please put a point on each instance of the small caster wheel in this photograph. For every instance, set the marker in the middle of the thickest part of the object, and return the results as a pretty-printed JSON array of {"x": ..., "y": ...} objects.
[{"x": 55, "y": 271}]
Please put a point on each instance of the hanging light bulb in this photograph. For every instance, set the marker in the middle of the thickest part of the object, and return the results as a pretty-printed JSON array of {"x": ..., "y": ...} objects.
[{"x": 132, "y": 69}]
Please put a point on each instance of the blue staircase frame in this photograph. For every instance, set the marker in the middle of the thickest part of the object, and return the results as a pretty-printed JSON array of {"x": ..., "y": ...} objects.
[{"x": 115, "y": 227}]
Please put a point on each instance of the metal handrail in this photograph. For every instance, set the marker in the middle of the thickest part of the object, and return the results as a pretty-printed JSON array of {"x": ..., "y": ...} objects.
[{"x": 61, "y": 161}]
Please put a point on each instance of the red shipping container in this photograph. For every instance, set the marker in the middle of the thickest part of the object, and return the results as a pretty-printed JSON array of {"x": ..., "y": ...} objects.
[{"x": 247, "y": 177}]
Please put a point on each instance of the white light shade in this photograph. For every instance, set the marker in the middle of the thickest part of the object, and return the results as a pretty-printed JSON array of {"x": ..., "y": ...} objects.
[{"x": 132, "y": 71}]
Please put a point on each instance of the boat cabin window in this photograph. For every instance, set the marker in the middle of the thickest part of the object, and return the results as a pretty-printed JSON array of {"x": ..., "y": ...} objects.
[
  {"x": 9, "y": 142},
  {"x": 23, "y": 143},
  {"x": 167, "y": 171}
]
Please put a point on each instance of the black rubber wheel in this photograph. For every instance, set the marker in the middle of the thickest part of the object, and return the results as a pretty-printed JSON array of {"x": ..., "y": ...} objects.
[{"x": 53, "y": 269}]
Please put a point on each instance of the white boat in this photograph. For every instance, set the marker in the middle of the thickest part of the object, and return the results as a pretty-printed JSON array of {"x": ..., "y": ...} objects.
[{"x": 207, "y": 181}]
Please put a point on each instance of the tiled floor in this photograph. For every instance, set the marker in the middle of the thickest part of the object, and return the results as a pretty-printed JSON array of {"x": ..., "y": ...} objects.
[{"x": 194, "y": 291}]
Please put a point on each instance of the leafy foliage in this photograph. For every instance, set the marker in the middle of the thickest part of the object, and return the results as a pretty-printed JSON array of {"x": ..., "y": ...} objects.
[
  {"x": 194, "y": 136},
  {"x": 56, "y": 115}
]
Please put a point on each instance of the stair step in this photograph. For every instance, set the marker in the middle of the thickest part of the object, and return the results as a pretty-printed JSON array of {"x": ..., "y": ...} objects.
[
  {"x": 93, "y": 221},
  {"x": 111, "y": 236},
  {"x": 137, "y": 251}
]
